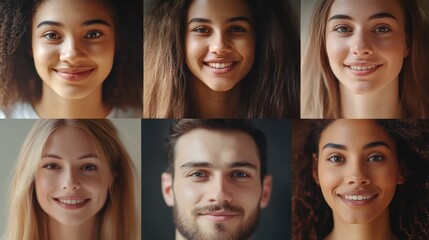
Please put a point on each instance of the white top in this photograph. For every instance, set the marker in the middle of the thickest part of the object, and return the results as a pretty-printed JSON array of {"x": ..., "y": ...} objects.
[{"x": 25, "y": 110}]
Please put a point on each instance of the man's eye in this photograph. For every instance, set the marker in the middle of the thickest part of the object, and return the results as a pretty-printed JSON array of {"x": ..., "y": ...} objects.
[
  {"x": 198, "y": 174},
  {"x": 239, "y": 174}
]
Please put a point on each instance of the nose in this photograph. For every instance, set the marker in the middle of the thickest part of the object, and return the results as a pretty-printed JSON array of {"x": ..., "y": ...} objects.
[
  {"x": 219, "y": 190},
  {"x": 361, "y": 44},
  {"x": 72, "y": 51},
  {"x": 70, "y": 180},
  {"x": 357, "y": 174},
  {"x": 219, "y": 44}
]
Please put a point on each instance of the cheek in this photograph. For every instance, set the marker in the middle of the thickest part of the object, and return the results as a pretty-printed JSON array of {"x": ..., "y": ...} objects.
[
  {"x": 328, "y": 179},
  {"x": 194, "y": 49},
  {"x": 45, "y": 184},
  {"x": 335, "y": 49}
]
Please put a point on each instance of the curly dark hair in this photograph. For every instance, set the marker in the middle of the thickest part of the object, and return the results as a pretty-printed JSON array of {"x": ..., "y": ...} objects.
[
  {"x": 409, "y": 209},
  {"x": 18, "y": 77}
]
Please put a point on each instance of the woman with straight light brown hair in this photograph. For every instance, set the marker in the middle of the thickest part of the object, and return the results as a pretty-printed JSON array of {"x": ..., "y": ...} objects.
[{"x": 366, "y": 59}]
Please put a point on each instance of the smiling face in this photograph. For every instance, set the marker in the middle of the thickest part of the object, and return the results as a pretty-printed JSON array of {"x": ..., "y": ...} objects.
[
  {"x": 366, "y": 43},
  {"x": 68, "y": 183},
  {"x": 217, "y": 190},
  {"x": 220, "y": 42},
  {"x": 358, "y": 170},
  {"x": 73, "y": 45}
]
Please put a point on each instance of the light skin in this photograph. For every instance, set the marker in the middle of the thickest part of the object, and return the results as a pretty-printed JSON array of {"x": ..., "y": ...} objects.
[
  {"x": 358, "y": 171},
  {"x": 218, "y": 169},
  {"x": 73, "y": 46},
  {"x": 68, "y": 184},
  {"x": 366, "y": 43},
  {"x": 220, "y": 44}
]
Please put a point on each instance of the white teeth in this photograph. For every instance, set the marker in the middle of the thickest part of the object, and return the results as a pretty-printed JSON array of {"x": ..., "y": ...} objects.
[
  {"x": 363, "y": 68},
  {"x": 358, "y": 197},
  {"x": 219, "y": 65},
  {"x": 71, "y": 202}
]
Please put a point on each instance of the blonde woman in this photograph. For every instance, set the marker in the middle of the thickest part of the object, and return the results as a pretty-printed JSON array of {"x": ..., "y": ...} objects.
[
  {"x": 365, "y": 59},
  {"x": 73, "y": 180}
]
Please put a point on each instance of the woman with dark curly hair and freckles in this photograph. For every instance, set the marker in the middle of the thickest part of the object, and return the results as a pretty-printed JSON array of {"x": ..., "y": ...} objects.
[
  {"x": 67, "y": 59},
  {"x": 360, "y": 179}
]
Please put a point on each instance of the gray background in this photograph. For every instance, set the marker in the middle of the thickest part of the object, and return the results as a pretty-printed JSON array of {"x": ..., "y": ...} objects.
[
  {"x": 12, "y": 136},
  {"x": 275, "y": 220}
]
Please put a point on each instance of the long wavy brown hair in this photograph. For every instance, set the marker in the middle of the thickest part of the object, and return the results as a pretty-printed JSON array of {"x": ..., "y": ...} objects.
[
  {"x": 320, "y": 88},
  {"x": 270, "y": 90},
  {"x": 18, "y": 77},
  {"x": 409, "y": 209}
]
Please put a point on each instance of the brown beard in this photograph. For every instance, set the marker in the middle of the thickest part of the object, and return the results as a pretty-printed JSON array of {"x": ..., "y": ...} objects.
[{"x": 191, "y": 231}]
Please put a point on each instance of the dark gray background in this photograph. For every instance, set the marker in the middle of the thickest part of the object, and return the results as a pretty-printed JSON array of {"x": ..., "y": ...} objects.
[{"x": 275, "y": 220}]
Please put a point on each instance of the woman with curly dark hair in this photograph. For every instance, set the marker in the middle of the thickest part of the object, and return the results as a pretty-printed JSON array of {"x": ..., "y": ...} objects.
[
  {"x": 221, "y": 59},
  {"x": 67, "y": 59},
  {"x": 360, "y": 179}
]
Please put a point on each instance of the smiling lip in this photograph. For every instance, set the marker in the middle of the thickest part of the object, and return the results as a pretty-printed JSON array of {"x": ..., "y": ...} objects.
[
  {"x": 358, "y": 198},
  {"x": 71, "y": 203},
  {"x": 219, "y": 67},
  {"x": 362, "y": 69},
  {"x": 74, "y": 74},
  {"x": 219, "y": 216}
]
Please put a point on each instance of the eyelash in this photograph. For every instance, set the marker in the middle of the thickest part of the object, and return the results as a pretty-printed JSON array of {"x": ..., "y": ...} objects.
[
  {"x": 340, "y": 159},
  {"x": 84, "y": 167},
  {"x": 54, "y": 36},
  {"x": 347, "y": 29},
  {"x": 232, "y": 29}
]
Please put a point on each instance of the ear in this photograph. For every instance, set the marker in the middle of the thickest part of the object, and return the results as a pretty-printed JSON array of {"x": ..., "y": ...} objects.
[
  {"x": 315, "y": 168},
  {"x": 401, "y": 177},
  {"x": 167, "y": 188},
  {"x": 267, "y": 186},
  {"x": 407, "y": 49}
]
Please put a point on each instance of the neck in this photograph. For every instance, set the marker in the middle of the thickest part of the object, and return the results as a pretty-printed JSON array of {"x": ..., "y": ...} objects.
[
  {"x": 85, "y": 231},
  {"x": 207, "y": 103},
  {"x": 377, "y": 229},
  {"x": 382, "y": 103},
  {"x": 51, "y": 105}
]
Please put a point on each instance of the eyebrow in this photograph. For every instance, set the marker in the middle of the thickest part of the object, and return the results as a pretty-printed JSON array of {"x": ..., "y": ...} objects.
[
  {"x": 234, "y": 19},
  {"x": 366, "y": 146},
  {"x": 237, "y": 164},
  {"x": 89, "y": 155},
  {"x": 372, "y": 17},
  {"x": 84, "y": 24}
]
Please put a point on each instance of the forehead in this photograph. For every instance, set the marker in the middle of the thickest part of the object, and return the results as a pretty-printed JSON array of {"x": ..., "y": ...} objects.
[
  {"x": 354, "y": 133},
  {"x": 366, "y": 8},
  {"x": 218, "y": 147},
  {"x": 69, "y": 140},
  {"x": 72, "y": 10},
  {"x": 219, "y": 9}
]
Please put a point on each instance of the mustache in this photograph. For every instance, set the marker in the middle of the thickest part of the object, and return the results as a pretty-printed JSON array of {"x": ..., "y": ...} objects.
[{"x": 212, "y": 208}]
